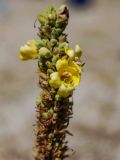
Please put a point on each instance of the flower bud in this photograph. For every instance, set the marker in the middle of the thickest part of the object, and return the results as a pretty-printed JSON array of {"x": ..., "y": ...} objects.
[
  {"x": 58, "y": 23},
  {"x": 78, "y": 51},
  {"x": 70, "y": 53},
  {"x": 40, "y": 65},
  {"x": 42, "y": 19},
  {"x": 59, "y": 31},
  {"x": 52, "y": 18},
  {"x": 63, "y": 46},
  {"x": 49, "y": 71},
  {"x": 51, "y": 111},
  {"x": 41, "y": 43},
  {"x": 53, "y": 42},
  {"x": 38, "y": 101},
  {"x": 54, "y": 33},
  {"x": 52, "y": 15},
  {"x": 29, "y": 51},
  {"x": 56, "y": 50},
  {"x": 45, "y": 115},
  {"x": 44, "y": 53},
  {"x": 62, "y": 38},
  {"x": 64, "y": 10},
  {"x": 55, "y": 58}
]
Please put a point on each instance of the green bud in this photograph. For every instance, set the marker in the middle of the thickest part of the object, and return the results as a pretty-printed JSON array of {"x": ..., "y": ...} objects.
[
  {"x": 51, "y": 111},
  {"x": 52, "y": 17},
  {"x": 54, "y": 33},
  {"x": 62, "y": 46},
  {"x": 56, "y": 50},
  {"x": 62, "y": 38},
  {"x": 47, "y": 17},
  {"x": 62, "y": 19},
  {"x": 40, "y": 65},
  {"x": 38, "y": 101},
  {"x": 52, "y": 13},
  {"x": 49, "y": 71},
  {"x": 53, "y": 42},
  {"x": 46, "y": 29},
  {"x": 44, "y": 53},
  {"x": 41, "y": 43},
  {"x": 42, "y": 19},
  {"x": 63, "y": 9},
  {"x": 55, "y": 58},
  {"x": 59, "y": 31},
  {"x": 59, "y": 23},
  {"x": 78, "y": 51},
  {"x": 45, "y": 115}
]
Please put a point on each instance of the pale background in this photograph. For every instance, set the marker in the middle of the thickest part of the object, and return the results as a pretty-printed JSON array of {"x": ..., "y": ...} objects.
[{"x": 96, "y": 121}]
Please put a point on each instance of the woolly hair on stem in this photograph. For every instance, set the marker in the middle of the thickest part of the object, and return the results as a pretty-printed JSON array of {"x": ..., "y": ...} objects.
[{"x": 59, "y": 71}]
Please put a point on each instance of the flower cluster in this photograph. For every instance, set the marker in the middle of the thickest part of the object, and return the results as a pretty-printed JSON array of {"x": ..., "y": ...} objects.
[
  {"x": 53, "y": 52},
  {"x": 67, "y": 73}
]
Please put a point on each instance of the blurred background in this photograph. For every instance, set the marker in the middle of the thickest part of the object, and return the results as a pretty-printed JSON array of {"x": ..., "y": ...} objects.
[{"x": 95, "y": 25}]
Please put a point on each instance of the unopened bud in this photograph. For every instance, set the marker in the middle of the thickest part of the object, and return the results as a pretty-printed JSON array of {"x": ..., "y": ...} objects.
[
  {"x": 38, "y": 101},
  {"x": 51, "y": 111},
  {"x": 53, "y": 42},
  {"x": 63, "y": 46},
  {"x": 78, "y": 51},
  {"x": 45, "y": 115},
  {"x": 64, "y": 10},
  {"x": 42, "y": 19},
  {"x": 44, "y": 52},
  {"x": 55, "y": 58},
  {"x": 49, "y": 71},
  {"x": 41, "y": 43}
]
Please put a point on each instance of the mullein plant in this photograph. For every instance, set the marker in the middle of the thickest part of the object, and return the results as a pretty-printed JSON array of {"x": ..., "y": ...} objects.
[{"x": 59, "y": 71}]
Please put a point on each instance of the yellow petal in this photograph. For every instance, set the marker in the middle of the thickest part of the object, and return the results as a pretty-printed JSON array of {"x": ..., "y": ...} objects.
[
  {"x": 76, "y": 80},
  {"x": 61, "y": 63},
  {"x": 69, "y": 52},
  {"x": 32, "y": 43},
  {"x": 21, "y": 57},
  {"x": 75, "y": 66},
  {"x": 65, "y": 91},
  {"x": 55, "y": 80}
]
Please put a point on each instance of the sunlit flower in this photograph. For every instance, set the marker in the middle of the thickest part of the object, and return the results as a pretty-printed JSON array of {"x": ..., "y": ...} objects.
[
  {"x": 66, "y": 78},
  {"x": 29, "y": 51}
]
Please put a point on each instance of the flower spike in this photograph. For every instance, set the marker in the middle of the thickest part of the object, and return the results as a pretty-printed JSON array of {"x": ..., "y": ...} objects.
[{"x": 59, "y": 71}]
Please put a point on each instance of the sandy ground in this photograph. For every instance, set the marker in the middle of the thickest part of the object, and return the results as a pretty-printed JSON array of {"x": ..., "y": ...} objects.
[{"x": 95, "y": 124}]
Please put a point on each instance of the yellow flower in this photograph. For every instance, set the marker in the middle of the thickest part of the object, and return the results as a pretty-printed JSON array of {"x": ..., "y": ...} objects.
[
  {"x": 29, "y": 51},
  {"x": 66, "y": 78},
  {"x": 72, "y": 54}
]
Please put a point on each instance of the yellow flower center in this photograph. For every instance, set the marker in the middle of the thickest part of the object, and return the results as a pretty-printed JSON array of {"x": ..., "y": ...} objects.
[{"x": 66, "y": 77}]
